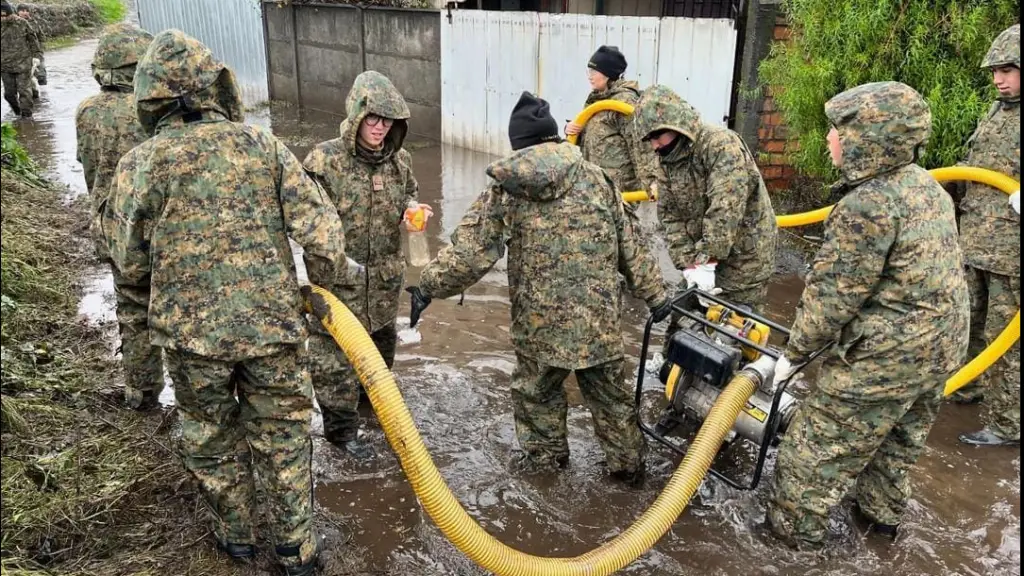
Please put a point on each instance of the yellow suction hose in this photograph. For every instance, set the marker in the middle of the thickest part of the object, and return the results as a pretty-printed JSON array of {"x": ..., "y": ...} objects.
[
  {"x": 583, "y": 117},
  {"x": 442, "y": 506}
]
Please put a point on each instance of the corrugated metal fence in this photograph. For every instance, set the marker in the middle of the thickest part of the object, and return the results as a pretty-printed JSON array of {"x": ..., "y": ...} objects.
[
  {"x": 489, "y": 58},
  {"x": 233, "y": 29}
]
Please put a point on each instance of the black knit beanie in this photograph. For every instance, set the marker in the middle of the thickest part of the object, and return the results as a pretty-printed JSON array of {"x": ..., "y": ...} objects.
[
  {"x": 5, "y": 7},
  {"x": 608, "y": 61},
  {"x": 531, "y": 123}
]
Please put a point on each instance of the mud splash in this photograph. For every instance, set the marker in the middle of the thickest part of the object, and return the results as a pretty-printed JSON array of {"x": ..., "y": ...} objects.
[{"x": 454, "y": 372}]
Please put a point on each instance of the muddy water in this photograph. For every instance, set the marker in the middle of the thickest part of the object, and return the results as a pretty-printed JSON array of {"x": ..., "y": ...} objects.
[{"x": 454, "y": 371}]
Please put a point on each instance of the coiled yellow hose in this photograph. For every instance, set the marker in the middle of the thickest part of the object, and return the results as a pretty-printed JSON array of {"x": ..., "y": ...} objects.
[{"x": 442, "y": 506}]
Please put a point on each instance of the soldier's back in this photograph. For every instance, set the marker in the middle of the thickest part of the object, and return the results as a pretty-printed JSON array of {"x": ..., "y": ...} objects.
[{"x": 223, "y": 278}]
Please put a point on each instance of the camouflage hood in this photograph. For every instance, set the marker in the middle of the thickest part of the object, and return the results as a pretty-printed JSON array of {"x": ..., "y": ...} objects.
[
  {"x": 662, "y": 109},
  {"x": 373, "y": 93},
  {"x": 1005, "y": 50},
  {"x": 121, "y": 47},
  {"x": 539, "y": 173},
  {"x": 624, "y": 90},
  {"x": 179, "y": 75},
  {"x": 882, "y": 126}
]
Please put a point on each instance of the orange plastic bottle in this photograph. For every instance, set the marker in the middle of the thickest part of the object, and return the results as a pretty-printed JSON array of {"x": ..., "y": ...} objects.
[{"x": 416, "y": 225}]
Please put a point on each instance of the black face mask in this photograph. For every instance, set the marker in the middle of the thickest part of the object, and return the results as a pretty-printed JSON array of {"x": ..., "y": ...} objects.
[{"x": 671, "y": 147}]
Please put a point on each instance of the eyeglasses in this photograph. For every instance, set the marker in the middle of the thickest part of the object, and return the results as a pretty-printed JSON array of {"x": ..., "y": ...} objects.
[{"x": 373, "y": 120}]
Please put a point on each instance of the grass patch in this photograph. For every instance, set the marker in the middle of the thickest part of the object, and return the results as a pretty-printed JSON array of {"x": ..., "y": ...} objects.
[
  {"x": 87, "y": 487},
  {"x": 110, "y": 11}
]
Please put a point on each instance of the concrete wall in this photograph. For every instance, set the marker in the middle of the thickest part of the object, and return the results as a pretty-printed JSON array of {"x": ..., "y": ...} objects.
[{"x": 314, "y": 53}]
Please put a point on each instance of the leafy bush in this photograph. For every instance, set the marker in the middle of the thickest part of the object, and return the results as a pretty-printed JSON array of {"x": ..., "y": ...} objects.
[{"x": 936, "y": 47}]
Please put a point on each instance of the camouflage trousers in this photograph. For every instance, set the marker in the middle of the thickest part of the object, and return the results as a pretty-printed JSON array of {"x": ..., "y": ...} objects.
[
  {"x": 838, "y": 443},
  {"x": 18, "y": 92},
  {"x": 754, "y": 298},
  {"x": 995, "y": 299},
  {"x": 143, "y": 367},
  {"x": 541, "y": 408},
  {"x": 226, "y": 442},
  {"x": 338, "y": 390}
]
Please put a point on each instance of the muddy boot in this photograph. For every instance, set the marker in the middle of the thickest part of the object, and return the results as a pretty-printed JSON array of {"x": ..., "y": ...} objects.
[
  {"x": 890, "y": 531},
  {"x": 349, "y": 442},
  {"x": 986, "y": 437},
  {"x": 290, "y": 558},
  {"x": 141, "y": 401},
  {"x": 631, "y": 478},
  {"x": 238, "y": 551},
  {"x": 523, "y": 462}
]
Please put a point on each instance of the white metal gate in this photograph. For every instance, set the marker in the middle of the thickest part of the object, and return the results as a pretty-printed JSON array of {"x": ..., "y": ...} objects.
[
  {"x": 488, "y": 59},
  {"x": 232, "y": 29}
]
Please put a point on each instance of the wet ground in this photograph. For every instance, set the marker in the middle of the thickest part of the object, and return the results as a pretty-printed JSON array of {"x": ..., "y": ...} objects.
[{"x": 454, "y": 371}]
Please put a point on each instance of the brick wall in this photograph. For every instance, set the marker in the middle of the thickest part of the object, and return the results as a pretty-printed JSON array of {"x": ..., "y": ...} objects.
[{"x": 774, "y": 145}]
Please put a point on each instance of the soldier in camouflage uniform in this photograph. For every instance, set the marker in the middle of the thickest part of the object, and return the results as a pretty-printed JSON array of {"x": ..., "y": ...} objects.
[
  {"x": 990, "y": 235},
  {"x": 25, "y": 13},
  {"x": 107, "y": 129},
  {"x": 202, "y": 213},
  {"x": 368, "y": 176},
  {"x": 714, "y": 208},
  {"x": 569, "y": 238},
  {"x": 888, "y": 285},
  {"x": 608, "y": 139},
  {"x": 19, "y": 44}
]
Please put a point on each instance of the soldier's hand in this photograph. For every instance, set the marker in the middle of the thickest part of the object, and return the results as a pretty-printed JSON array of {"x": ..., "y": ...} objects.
[
  {"x": 662, "y": 311},
  {"x": 419, "y": 303},
  {"x": 1015, "y": 202},
  {"x": 572, "y": 129}
]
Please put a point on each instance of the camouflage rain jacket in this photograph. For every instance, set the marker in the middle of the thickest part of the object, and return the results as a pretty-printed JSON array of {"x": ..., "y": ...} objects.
[
  {"x": 990, "y": 228},
  {"x": 714, "y": 204},
  {"x": 20, "y": 44},
  {"x": 371, "y": 190},
  {"x": 568, "y": 238},
  {"x": 609, "y": 140},
  {"x": 202, "y": 211},
  {"x": 889, "y": 282},
  {"x": 106, "y": 124}
]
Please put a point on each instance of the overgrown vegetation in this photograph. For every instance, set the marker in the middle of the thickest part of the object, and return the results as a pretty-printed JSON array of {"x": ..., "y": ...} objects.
[
  {"x": 110, "y": 11},
  {"x": 87, "y": 487},
  {"x": 936, "y": 47}
]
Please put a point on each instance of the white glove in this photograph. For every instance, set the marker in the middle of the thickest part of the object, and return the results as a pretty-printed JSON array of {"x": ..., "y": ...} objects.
[
  {"x": 355, "y": 269},
  {"x": 701, "y": 276},
  {"x": 784, "y": 370},
  {"x": 1015, "y": 202}
]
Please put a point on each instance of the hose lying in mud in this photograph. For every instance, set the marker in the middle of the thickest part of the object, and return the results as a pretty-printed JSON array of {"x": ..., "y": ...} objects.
[{"x": 441, "y": 504}]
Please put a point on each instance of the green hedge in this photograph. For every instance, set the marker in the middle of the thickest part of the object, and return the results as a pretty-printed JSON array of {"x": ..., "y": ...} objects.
[{"x": 935, "y": 46}]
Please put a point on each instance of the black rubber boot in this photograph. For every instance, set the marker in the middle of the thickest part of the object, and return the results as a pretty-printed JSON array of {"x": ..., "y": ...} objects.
[
  {"x": 986, "y": 437},
  {"x": 239, "y": 551},
  {"x": 888, "y": 530}
]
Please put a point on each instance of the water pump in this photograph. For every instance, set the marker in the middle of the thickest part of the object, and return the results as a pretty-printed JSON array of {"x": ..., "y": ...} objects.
[{"x": 702, "y": 357}]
